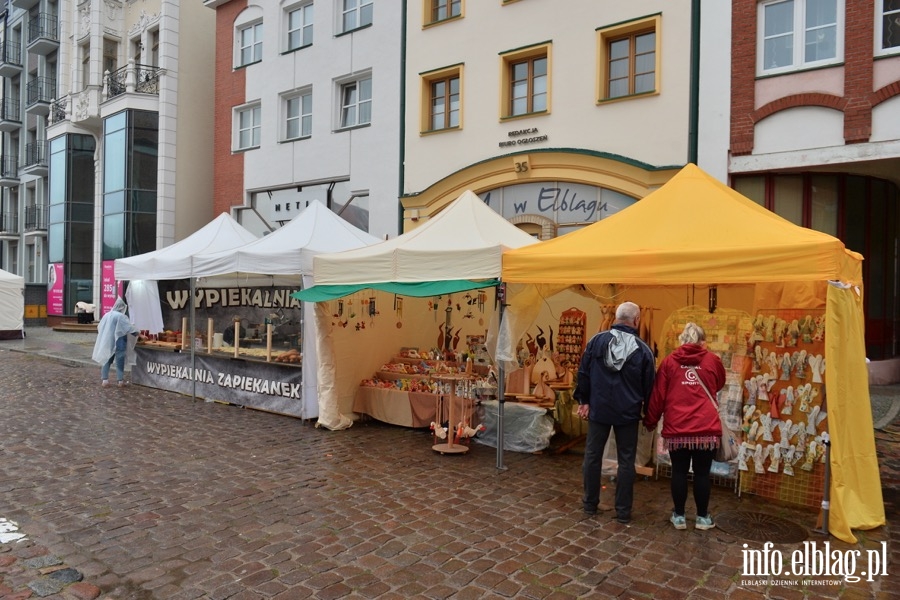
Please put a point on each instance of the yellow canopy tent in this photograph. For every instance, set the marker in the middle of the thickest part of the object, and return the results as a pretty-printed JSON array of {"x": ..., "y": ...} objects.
[{"x": 696, "y": 231}]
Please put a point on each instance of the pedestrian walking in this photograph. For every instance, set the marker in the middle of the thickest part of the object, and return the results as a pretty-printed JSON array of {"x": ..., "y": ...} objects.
[
  {"x": 614, "y": 382},
  {"x": 116, "y": 337},
  {"x": 683, "y": 398}
]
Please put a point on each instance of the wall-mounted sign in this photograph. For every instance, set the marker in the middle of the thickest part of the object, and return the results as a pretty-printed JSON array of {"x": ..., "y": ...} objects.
[{"x": 522, "y": 137}]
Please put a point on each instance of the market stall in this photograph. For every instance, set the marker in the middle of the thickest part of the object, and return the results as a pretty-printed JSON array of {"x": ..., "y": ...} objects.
[
  {"x": 696, "y": 241},
  {"x": 430, "y": 289},
  {"x": 12, "y": 306}
]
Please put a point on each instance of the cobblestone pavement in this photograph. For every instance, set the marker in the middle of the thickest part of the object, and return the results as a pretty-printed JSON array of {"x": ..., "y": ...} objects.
[{"x": 140, "y": 494}]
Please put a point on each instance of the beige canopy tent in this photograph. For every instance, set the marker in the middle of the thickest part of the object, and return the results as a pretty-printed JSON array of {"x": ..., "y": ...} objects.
[{"x": 696, "y": 232}]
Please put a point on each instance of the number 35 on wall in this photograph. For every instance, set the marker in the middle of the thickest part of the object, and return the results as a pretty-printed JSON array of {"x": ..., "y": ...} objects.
[{"x": 520, "y": 165}]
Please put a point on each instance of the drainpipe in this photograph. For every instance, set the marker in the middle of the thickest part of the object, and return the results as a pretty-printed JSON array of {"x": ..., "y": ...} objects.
[
  {"x": 402, "y": 127},
  {"x": 694, "y": 101}
]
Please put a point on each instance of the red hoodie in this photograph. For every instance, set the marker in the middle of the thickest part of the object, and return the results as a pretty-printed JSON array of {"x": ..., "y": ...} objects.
[{"x": 680, "y": 399}]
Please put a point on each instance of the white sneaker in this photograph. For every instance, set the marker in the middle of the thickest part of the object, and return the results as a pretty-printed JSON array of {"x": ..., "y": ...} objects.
[{"x": 105, "y": 382}]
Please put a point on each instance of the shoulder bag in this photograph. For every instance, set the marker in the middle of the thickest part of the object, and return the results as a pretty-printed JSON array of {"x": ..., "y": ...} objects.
[{"x": 729, "y": 443}]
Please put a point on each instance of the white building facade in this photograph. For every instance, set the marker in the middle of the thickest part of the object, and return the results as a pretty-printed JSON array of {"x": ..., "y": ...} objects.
[{"x": 308, "y": 108}]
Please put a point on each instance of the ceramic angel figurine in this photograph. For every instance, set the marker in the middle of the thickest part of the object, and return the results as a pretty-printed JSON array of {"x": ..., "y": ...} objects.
[
  {"x": 800, "y": 363},
  {"x": 772, "y": 364},
  {"x": 810, "y": 456},
  {"x": 812, "y": 420},
  {"x": 757, "y": 357},
  {"x": 803, "y": 393},
  {"x": 807, "y": 329},
  {"x": 786, "y": 364},
  {"x": 819, "y": 334},
  {"x": 786, "y": 430},
  {"x": 787, "y": 458},
  {"x": 817, "y": 367},
  {"x": 780, "y": 332},
  {"x": 787, "y": 407},
  {"x": 775, "y": 459},
  {"x": 767, "y": 424},
  {"x": 753, "y": 433},
  {"x": 793, "y": 335},
  {"x": 769, "y": 334},
  {"x": 743, "y": 452},
  {"x": 759, "y": 328},
  {"x": 759, "y": 458},
  {"x": 764, "y": 386},
  {"x": 752, "y": 386},
  {"x": 748, "y": 413}
]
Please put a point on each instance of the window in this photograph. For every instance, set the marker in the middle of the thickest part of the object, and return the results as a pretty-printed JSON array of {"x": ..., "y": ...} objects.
[
  {"x": 298, "y": 116},
  {"x": 628, "y": 59},
  {"x": 795, "y": 34},
  {"x": 441, "y": 10},
  {"x": 110, "y": 56},
  {"x": 356, "y": 103},
  {"x": 526, "y": 82},
  {"x": 300, "y": 27},
  {"x": 441, "y": 99},
  {"x": 154, "y": 48},
  {"x": 356, "y": 14},
  {"x": 248, "y": 127},
  {"x": 250, "y": 39},
  {"x": 887, "y": 26},
  {"x": 85, "y": 65}
]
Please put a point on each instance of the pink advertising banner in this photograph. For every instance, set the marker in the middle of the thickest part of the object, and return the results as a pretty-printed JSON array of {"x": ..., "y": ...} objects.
[
  {"x": 56, "y": 285},
  {"x": 110, "y": 289}
]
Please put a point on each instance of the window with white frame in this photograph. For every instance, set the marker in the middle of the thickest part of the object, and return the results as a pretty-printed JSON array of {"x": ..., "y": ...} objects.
[
  {"x": 356, "y": 102},
  {"x": 300, "y": 26},
  {"x": 798, "y": 34},
  {"x": 250, "y": 44},
  {"x": 247, "y": 127},
  {"x": 887, "y": 26},
  {"x": 355, "y": 14},
  {"x": 298, "y": 115}
]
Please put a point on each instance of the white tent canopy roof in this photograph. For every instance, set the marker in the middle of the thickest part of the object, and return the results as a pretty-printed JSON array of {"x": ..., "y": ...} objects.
[
  {"x": 463, "y": 241},
  {"x": 12, "y": 305},
  {"x": 287, "y": 252},
  {"x": 174, "y": 262}
]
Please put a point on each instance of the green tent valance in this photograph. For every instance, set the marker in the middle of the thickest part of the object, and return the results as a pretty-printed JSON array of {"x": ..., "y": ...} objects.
[{"x": 323, "y": 293}]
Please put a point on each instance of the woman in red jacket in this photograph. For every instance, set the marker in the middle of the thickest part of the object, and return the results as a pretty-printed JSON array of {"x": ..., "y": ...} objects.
[{"x": 691, "y": 424}]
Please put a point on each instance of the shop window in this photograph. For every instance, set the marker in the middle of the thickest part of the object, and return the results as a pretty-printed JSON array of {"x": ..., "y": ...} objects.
[
  {"x": 628, "y": 59},
  {"x": 526, "y": 81},
  {"x": 799, "y": 34}
]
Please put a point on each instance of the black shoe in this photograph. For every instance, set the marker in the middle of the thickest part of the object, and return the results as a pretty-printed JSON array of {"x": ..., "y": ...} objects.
[
  {"x": 590, "y": 511},
  {"x": 623, "y": 520}
]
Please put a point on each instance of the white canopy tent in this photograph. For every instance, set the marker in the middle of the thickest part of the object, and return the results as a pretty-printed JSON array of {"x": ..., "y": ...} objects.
[
  {"x": 457, "y": 249},
  {"x": 174, "y": 262},
  {"x": 285, "y": 258},
  {"x": 12, "y": 306}
]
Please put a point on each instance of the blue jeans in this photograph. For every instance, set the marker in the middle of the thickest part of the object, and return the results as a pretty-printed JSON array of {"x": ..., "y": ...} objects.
[
  {"x": 592, "y": 469},
  {"x": 119, "y": 358}
]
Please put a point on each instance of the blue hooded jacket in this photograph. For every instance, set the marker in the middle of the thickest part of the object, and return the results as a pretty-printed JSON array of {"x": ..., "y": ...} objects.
[{"x": 616, "y": 376}]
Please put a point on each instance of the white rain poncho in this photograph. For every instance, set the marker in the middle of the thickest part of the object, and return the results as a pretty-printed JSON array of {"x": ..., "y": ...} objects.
[{"x": 112, "y": 326}]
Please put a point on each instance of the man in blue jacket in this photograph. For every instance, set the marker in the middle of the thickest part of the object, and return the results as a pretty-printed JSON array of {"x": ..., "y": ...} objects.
[{"x": 612, "y": 390}]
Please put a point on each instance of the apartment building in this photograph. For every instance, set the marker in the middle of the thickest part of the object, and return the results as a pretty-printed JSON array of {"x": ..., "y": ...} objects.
[
  {"x": 100, "y": 158},
  {"x": 559, "y": 115},
  {"x": 815, "y": 133},
  {"x": 308, "y": 105}
]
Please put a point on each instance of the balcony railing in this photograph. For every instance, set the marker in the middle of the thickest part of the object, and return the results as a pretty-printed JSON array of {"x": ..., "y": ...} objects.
[
  {"x": 11, "y": 53},
  {"x": 9, "y": 167},
  {"x": 43, "y": 26},
  {"x": 35, "y": 154},
  {"x": 41, "y": 89},
  {"x": 9, "y": 222},
  {"x": 58, "y": 111},
  {"x": 36, "y": 218},
  {"x": 9, "y": 110},
  {"x": 145, "y": 80}
]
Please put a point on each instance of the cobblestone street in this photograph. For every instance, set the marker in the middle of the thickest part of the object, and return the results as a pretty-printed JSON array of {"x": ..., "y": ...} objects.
[{"x": 139, "y": 494}]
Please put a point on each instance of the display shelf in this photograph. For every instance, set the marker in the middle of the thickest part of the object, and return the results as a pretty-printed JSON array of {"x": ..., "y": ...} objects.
[{"x": 453, "y": 383}]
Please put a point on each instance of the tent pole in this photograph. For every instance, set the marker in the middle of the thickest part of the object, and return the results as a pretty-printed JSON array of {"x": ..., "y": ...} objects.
[
  {"x": 183, "y": 333},
  {"x": 826, "y": 493},
  {"x": 501, "y": 386}
]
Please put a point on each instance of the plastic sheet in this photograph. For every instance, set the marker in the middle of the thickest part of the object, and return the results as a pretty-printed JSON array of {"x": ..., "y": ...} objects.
[{"x": 525, "y": 428}]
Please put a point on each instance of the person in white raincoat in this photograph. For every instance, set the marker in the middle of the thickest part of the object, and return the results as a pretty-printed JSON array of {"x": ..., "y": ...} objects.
[{"x": 116, "y": 337}]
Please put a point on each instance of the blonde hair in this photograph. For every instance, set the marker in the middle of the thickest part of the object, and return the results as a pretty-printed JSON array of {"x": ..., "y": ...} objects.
[{"x": 692, "y": 334}]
